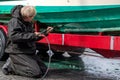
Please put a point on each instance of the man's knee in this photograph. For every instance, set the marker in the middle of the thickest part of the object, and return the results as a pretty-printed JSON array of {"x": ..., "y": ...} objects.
[{"x": 34, "y": 72}]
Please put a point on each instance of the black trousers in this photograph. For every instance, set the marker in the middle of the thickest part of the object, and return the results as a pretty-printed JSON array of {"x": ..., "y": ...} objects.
[{"x": 27, "y": 65}]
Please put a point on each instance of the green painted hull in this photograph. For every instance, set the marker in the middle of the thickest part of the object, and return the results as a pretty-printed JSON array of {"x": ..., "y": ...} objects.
[{"x": 75, "y": 19}]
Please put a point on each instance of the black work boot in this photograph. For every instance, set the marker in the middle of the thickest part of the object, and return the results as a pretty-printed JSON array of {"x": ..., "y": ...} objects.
[{"x": 6, "y": 66}]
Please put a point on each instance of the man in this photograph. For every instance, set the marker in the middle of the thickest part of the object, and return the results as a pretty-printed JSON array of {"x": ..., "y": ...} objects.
[{"x": 21, "y": 44}]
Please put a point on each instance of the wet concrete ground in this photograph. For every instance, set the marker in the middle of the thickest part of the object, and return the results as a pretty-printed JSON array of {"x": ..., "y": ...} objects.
[
  {"x": 57, "y": 75},
  {"x": 96, "y": 68}
]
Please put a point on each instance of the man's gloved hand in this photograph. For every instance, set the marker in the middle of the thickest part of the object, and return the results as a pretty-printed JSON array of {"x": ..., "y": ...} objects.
[
  {"x": 49, "y": 29},
  {"x": 39, "y": 34}
]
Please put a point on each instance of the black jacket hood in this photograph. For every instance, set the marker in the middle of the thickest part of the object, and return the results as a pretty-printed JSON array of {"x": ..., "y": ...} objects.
[{"x": 15, "y": 12}]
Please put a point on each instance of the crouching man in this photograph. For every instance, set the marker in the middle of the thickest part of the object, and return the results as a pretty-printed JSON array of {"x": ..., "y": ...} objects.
[{"x": 21, "y": 44}]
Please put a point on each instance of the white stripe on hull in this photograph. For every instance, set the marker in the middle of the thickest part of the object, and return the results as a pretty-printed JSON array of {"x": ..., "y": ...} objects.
[{"x": 62, "y": 2}]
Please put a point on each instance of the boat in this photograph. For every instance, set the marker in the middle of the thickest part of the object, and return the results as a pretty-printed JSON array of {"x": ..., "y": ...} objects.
[
  {"x": 85, "y": 17},
  {"x": 77, "y": 23}
]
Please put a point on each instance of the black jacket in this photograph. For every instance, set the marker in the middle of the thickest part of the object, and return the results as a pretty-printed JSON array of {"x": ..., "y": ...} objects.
[{"x": 21, "y": 37}]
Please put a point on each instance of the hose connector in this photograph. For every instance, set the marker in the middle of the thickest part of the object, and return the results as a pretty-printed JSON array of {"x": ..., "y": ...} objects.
[{"x": 50, "y": 52}]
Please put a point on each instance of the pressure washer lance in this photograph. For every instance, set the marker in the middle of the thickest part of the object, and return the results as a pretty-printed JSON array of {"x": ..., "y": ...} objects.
[{"x": 50, "y": 54}]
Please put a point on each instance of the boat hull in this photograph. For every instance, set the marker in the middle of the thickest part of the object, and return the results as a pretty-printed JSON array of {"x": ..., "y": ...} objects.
[{"x": 75, "y": 19}]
